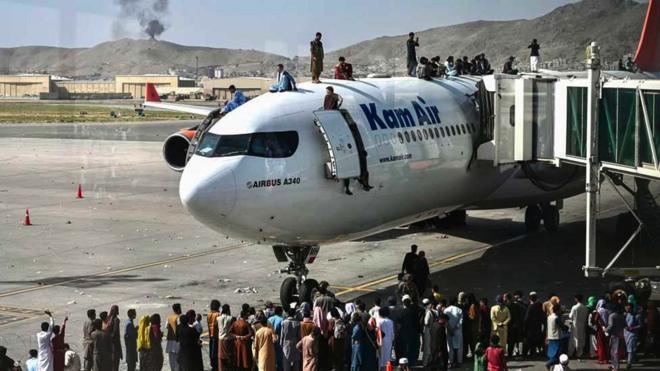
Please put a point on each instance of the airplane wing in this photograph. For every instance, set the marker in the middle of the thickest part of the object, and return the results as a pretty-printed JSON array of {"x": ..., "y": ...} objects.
[{"x": 152, "y": 99}]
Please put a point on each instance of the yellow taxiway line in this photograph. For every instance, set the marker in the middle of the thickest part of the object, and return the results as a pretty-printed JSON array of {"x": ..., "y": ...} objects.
[{"x": 368, "y": 286}]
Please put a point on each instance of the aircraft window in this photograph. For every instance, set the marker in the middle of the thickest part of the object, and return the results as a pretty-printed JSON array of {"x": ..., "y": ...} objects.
[
  {"x": 407, "y": 137},
  {"x": 442, "y": 131},
  {"x": 431, "y": 133},
  {"x": 437, "y": 133},
  {"x": 270, "y": 145},
  {"x": 463, "y": 127},
  {"x": 419, "y": 135},
  {"x": 400, "y": 137},
  {"x": 413, "y": 136},
  {"x": 474, "y": 128},
  {"x": 453, "y": 130}
]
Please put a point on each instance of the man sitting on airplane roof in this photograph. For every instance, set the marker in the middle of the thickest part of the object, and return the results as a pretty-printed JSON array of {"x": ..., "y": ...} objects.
[
  {"x": 425, "y": 69},
  {"x": 285, "y": 82},
  {"x": 236, "y": 101},
  {"x": 343, "y": 70},
  {"x": 508, "y": 67}
]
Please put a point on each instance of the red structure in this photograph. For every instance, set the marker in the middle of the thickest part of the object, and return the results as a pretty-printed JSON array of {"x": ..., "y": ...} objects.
[{"x": 647, "y": 57}]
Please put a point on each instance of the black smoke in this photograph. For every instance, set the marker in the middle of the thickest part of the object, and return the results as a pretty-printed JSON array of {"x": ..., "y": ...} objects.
[{"x": 148, "y": 13}]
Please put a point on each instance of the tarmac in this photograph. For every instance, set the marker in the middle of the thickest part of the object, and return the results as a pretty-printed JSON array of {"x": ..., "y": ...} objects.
[{"x": 129, "y": 241}]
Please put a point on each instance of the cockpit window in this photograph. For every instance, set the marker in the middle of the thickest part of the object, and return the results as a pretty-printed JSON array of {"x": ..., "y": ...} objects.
[{"x": 270, "y": 145}]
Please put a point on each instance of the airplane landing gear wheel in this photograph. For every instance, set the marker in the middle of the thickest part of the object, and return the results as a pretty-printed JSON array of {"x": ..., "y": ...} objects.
[
  {"x": 532, "y": 218},
  {"x": 551, "y": 218},
  {"x": 299, "y": 288},
  {"x": 307, "y": 290},
  {"x": 289, "y": 292}
]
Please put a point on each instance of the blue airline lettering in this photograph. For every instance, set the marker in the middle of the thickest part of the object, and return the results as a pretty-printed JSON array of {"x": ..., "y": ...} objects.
[{"x": 401, "y": 117}]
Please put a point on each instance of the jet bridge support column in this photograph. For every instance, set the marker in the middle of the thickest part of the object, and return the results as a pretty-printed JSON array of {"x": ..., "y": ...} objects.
[{"x": 592, "y": 179}]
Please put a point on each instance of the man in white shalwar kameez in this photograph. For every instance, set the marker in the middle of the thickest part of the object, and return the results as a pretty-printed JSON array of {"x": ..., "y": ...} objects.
[
  {"x": 455, "y": 333},
  {"x": 579, "y": 316},
  {"x": 386, "y": 339},
  {"x": 429, "y": 317},
  {"x": 45, "y": 358}
]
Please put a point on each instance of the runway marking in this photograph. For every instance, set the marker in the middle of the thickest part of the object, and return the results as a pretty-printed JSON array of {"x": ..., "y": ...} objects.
[
  {"x": 368, "y": 285},
  {"x": 352, "y": 288},
  {"x": 124, "y": 270},
  {"x": 10, "y": 315}
]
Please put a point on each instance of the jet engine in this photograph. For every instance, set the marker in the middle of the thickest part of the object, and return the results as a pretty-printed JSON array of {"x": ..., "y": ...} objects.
[{"x": 175, "y": 149}]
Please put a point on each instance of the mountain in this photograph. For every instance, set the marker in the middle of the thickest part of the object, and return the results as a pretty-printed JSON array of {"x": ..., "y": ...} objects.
[
  {"x": 563, "y": 33},
  {"x": 128, "y": 56}
]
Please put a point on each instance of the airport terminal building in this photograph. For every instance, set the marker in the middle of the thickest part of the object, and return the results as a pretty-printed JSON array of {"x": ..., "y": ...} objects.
[{"x": 124, "y": 86}]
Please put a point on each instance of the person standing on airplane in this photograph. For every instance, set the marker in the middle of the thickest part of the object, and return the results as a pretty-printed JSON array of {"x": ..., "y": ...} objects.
[
  {"x": 534, "y": 56},
  {"x": 411, "y": 44},
  {"x": 316, "y": 51}
]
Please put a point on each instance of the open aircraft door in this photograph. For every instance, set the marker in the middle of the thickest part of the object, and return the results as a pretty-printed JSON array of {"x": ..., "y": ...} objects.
[{"x": 341, "y": 143}]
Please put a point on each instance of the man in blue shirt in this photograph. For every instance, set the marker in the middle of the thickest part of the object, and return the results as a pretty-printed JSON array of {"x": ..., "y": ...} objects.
[
  {"x": 285, "y": 82},
  {"x": 130, "y": 340},
  {"x": 32, "y": 363},
  {"x": 275, "y": 323},
  {"x": 237, "y": 100}
]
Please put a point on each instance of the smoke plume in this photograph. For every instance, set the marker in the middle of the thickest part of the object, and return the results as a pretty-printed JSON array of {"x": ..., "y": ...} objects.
[{"x": 148, "y": 13}]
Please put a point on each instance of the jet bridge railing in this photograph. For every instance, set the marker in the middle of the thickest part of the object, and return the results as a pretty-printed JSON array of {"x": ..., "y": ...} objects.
[
  {"x": 628, "y": 125},
  {"x": 609, "y": 125}
]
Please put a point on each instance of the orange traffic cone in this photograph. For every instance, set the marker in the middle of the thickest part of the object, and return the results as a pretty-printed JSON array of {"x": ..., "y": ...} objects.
[
  {"x": 79, "y": 191},
  {"x": 27, "y": 217}
]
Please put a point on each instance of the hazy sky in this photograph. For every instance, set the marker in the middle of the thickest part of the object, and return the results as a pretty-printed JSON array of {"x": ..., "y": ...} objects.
[{"x": 283, "y": 27}]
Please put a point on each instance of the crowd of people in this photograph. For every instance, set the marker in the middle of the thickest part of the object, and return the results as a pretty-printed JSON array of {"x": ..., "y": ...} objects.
[{"x": 416, "y": 327}]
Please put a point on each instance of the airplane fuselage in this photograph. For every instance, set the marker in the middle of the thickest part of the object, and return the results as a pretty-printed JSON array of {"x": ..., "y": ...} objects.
[{"x": 419, "y": 136}]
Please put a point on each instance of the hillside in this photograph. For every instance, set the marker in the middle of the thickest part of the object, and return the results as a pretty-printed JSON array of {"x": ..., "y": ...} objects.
[
  {"x": 563, "y": 33},
  {"x": 127, "y": 56}
]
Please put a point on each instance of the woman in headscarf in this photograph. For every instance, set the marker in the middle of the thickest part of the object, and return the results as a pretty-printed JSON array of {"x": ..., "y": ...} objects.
[
  {"x": 385, "y": 337},
  {"x": 597, "y": 322},
  {"x": 112, "y": 326},
  {"x": 149, "y": 343},
  {"x": 500, "y": 317},
  {"x": 190, "y": 350},
  {"x": 320, "y": 321}
]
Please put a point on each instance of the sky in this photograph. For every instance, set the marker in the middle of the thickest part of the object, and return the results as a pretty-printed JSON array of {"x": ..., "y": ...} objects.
[{"x": 281, "y": 27}]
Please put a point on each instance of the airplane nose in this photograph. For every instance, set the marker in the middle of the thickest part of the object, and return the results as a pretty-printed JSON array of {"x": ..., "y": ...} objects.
[{"x": 208, "y": 190}]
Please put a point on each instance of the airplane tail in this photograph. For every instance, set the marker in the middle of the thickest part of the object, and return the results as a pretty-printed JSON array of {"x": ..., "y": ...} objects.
[
  {"x": 647, "y": 57},
  {"x": 152, "y": 94}
]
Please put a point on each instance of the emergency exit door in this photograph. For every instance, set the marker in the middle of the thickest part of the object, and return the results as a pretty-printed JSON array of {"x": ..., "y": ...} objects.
[{"x": 341, "y": 145}]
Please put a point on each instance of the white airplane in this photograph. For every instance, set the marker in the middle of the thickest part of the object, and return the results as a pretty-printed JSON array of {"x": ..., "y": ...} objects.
[{"x": 275, "y": 170}]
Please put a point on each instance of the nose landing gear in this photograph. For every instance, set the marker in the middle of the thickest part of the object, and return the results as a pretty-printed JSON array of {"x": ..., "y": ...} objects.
[{"x": 296, "y": 289}]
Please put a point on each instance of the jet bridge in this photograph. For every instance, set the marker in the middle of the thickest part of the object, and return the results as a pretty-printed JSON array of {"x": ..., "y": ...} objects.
[{"x": 607, "y": 122}]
